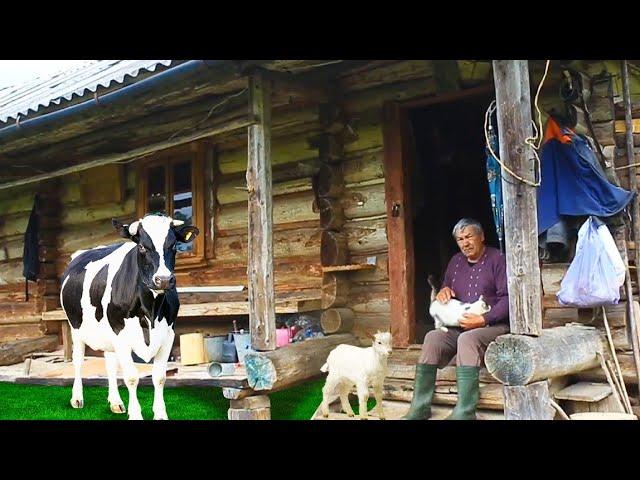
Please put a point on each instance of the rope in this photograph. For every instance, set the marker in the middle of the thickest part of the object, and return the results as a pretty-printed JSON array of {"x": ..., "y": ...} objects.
[{"x": 529, "y": 140}]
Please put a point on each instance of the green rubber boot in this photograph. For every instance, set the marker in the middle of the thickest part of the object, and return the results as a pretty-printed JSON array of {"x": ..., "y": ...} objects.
[
  {"x": 423, "y": 389},
  {"x": 468, "y": 381}
]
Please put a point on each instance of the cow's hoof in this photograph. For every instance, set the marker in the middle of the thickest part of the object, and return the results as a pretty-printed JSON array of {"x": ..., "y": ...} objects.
[
  {"x": 160, "y": 416},
  {"x": 117, "y": 408},
  {"x": 77, "y": 403}
]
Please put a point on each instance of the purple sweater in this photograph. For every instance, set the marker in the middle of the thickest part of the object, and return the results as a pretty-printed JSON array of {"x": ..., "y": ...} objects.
[{"x": 487, "y": 277}]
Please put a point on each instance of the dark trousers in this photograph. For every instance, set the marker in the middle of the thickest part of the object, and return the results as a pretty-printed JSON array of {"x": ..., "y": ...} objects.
[{"x": 469, "y": 346}]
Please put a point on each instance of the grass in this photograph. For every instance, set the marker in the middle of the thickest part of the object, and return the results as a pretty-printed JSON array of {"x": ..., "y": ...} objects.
[{"x": 39, "y": 402}]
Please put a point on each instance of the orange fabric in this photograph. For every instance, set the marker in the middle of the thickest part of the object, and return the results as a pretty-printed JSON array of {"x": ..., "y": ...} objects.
[{"x": 554, "y": 131}]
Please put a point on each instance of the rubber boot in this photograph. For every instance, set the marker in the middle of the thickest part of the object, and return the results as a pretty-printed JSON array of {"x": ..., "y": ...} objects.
[
  {"x": 468, "y": 382},
  {"x": 423, "y": 389}
]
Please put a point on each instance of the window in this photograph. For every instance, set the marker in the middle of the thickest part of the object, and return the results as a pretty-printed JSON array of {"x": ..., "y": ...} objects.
[{"x": 172, "y": 183}]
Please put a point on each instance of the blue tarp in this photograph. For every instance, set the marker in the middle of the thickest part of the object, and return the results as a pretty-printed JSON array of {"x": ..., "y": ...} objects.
[
  {"x": 494, "y": 177},
  {"x": 573, "y": 183}
]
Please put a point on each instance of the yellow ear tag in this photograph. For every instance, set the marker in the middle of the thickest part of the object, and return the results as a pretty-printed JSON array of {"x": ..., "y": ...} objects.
[{"x": 188, "y": 236}]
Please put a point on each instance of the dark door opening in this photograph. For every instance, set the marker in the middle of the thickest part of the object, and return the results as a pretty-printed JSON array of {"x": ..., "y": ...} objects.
[{"x": 449, "y": 183}]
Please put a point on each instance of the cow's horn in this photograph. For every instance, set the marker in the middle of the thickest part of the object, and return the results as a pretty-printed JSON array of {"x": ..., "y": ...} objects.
[
  {"x": 133, "y": 228},
  {"x": 177, "y": 223}
]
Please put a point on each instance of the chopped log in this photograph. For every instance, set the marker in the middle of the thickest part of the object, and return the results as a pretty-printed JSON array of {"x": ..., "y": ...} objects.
[
  {"x": 337, "y": 320},
  {"x": 329, "y": 181},
  {"x": 249, "y": 414},
  {"x": 331, "y": 213},
  {"x": 333, "y": 248},
  {"x": 335, "y": 290},
  {"x": 520, "y": 359},
  {"x": 297, "y": 362},
  {"x": 528, "y": 402},
  {"x": 15, "y": 352},
  {"x": 252, "y": 402}
]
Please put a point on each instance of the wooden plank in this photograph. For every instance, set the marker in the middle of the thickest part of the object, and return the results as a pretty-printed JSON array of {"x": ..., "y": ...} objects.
[
  {"x": 345, "y": 268},
  {"x": 399, "y": 225},
  {"x": 621, "y": 127},
  {"x": 528, "y": 402},
  {"x": 511, "y": 79},
  {"x": 262, "y": 310},
  {"x": 584, "y": 392}
]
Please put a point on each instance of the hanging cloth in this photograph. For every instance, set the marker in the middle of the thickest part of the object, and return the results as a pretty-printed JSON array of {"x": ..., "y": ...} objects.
[
  {"x": 30, "y": 262},
  {"x": 494, "y": 177},
  {"x": 573, "y": 182}
]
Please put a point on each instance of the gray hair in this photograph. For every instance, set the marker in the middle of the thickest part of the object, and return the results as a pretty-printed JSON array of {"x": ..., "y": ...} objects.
[{"x": 464, "y": 223}]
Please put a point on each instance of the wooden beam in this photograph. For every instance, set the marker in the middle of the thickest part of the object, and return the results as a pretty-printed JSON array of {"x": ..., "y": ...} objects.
[
  {"x": 262, "y": 319},
  {"x": 399, "y": 225},
  {"x": 292, "y": 364},
  {"x": 521, "y": 359},
  {"x": 528, "y": 402},
  {"x": 447, "y": 75},
  {"x": 293, "y": 86},
  {"x": 511, "y": 79},
  {"x": 138, "y": 152}
]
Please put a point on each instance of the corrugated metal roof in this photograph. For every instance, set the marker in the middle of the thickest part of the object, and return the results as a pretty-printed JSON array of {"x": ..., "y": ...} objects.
[{"x": 28, "y": 98}]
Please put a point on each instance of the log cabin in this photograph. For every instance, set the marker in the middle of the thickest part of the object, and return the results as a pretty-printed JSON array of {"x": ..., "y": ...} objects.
[{"x": 321, "y": 187}]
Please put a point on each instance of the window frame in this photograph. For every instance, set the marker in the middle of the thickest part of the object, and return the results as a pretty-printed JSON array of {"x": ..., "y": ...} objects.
[{"x": 195, "y": 153}]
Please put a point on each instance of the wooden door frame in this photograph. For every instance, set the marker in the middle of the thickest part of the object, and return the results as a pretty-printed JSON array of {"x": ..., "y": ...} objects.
[{"x": 398, "y": 166}]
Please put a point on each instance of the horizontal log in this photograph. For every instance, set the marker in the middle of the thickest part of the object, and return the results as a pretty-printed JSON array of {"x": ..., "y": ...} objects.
[
  {"x": 18, "y": 201},
  {"x": 369, "y": 98},
  {"x": 84, "y": 214},
  {"x": 296, "y": 207},
  {"x": 393, "y": 72},
  {"x": 369, "y": 299},
  {"x": 15, "y": 352},
  {"x": 292, "y": 364},
  {"x": 86, "y": 235},
  {"x": 10, "y": 333},
  {"x": 369, "y": 323},
  {"x": 362, "y": 166},
  {"x": 520, "y": 360},
  {"x": 235, "y": 190},
  {"x": 365, "y": 201},
  {"x": 12, "y": 249},
  {"x": 366, "y": 236},
  {"x": 627, "y": 366},
  {"x": 375, "y": 275},
  {"x": 288, "y": 243}
]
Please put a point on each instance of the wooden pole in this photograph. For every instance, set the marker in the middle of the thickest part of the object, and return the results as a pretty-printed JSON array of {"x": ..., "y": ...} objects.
[
  {"x": 262, "y": 316},
  {"x": 635, "y": 212},
  {"x": 511, "y": 79}
]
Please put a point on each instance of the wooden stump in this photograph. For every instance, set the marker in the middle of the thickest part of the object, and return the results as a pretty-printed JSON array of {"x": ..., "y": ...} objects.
[
  {"x": 335, "y": 289},
  {"x": 333, "y": 248},
  {"x": 337, "y": 320},
  {"x": 528, "y": 402}
]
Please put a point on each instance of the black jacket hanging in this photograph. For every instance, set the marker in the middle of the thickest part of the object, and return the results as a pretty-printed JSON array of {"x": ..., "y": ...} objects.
[{"x": 31, "y": 265}]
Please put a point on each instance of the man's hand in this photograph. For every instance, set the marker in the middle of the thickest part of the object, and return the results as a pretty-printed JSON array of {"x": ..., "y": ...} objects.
[
  {"x": 469, "y": 321},
  {"x": 445, "y": 295}
]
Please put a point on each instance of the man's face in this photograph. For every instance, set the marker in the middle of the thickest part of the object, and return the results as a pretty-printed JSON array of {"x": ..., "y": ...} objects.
[{"x": 470, "y": 242}]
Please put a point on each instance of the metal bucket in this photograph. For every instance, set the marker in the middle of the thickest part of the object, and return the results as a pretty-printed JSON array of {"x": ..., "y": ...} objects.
[
  {"x": 213, "y": 348},
  {"x": 243, "y": 345}
]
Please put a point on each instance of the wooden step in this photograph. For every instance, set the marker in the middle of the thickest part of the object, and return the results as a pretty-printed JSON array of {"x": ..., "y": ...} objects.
[{"x": 394, "y": 410}]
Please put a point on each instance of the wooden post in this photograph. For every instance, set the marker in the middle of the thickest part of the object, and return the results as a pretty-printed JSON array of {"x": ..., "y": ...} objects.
[
  {"x": 635, "y": 212},
  {"x": 262, "y": 320},
  {"x": 528, "y": 402},
  {"x": 511, "y": 79},
  {"x": 399, "y": 229}
]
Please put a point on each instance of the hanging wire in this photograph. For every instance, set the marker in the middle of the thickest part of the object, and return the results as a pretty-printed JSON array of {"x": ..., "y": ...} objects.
[{"x": 529, "y": 140}]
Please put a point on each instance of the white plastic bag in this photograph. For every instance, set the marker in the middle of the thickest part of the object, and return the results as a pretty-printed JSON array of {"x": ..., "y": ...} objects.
[{"x": 596, "y": 272}]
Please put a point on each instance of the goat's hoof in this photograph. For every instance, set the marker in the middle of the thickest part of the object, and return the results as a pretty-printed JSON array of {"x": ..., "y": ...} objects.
[
  {"x": 117, "y": 408},
  {"x": 363, "y": 418},
  {"x": 382, "y": 417},
  {"x": 351, "y": 414},
  {"x": 325, "y": 415},
  {"x": 77, "y": 403}
]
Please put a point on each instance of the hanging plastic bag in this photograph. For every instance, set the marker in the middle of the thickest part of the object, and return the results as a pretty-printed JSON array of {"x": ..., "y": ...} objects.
[{"x": 593, "y": 278}]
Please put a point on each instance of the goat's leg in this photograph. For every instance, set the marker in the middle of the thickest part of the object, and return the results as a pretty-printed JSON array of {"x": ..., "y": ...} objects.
[
  {"x": 363, "y": 397},
  {"x": 344, "y": 399},
  {"x": 328, "y": 394},
  {"x": 377, "y": 391}
]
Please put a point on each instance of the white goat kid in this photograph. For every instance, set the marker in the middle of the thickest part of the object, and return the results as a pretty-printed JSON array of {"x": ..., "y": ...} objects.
[
  {"x": 363, "y": 367},
  {"x": 449, "y": 314}
]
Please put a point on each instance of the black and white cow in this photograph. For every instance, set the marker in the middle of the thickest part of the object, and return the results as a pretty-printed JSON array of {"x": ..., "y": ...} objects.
[{"x": 109, "y": 292}]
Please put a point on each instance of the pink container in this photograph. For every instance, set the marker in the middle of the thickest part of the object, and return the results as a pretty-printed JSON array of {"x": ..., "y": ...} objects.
[{"x": 282, "y": 337}]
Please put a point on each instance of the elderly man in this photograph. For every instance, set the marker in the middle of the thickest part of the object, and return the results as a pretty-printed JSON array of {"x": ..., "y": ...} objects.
[{"x": 476, "y": 270}]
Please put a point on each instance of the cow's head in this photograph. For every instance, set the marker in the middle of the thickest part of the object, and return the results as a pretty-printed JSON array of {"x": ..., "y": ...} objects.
[{"x": 157, "y": 236}]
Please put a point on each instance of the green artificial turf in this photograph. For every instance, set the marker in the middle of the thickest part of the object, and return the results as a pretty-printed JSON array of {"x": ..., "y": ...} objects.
[{"x": 38, "y": 402}]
